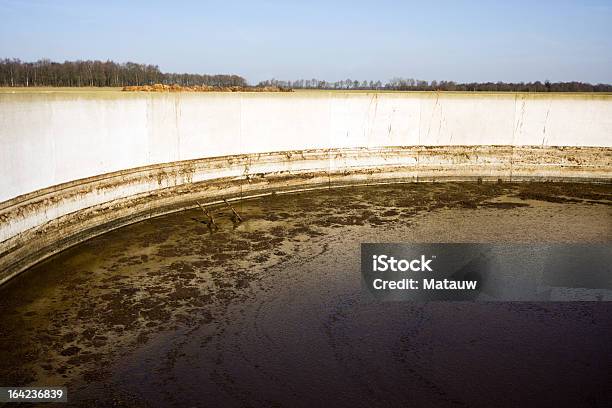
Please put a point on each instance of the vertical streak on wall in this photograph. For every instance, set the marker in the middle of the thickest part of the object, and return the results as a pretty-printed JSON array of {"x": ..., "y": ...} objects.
[
  {"x": 240, "y": 144},
  {"x": 148, "y": 126},
  {"x": 419, "y": 132},
  {"x": 513, "y": 135},
  {"x": 176, "y": 125},
  {"x": 53, "y": 146},
  {"x": 546, "y": 122}
]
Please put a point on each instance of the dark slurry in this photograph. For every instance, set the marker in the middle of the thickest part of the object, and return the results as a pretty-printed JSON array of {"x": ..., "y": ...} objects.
[{"x": 271, "y": 312}]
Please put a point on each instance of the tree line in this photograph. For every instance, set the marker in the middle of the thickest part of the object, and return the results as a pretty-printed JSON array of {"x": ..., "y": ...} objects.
[
  {"x": 409, "y": 84},
  {"x": 14, "y": 72}
]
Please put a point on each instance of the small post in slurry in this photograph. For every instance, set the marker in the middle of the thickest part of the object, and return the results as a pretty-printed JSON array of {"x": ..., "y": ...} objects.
[
  {"x": 236, "y": 217},
  {"x": 211, "y": 221}
]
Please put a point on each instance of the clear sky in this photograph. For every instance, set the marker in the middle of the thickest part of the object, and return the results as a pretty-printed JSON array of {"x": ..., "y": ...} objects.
[{"x": 378, "y": 39}]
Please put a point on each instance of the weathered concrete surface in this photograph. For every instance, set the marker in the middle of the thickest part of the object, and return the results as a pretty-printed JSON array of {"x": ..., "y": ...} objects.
[
  {"x": 76, "y": 164},
  {"x": 56, "y": 137},
  {"x": 45, "y": 222}
]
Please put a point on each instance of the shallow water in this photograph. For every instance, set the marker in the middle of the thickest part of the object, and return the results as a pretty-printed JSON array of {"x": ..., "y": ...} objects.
[{"x": 270, "y": 312}]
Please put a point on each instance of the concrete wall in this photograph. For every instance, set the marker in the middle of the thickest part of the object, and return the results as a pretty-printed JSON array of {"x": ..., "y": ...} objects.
[
  {"x": 65, "y": 154},
  {"x": 53, "y": 138}
]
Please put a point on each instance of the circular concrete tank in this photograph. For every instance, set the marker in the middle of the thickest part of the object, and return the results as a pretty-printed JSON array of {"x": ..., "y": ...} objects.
[
  {"x": 78, "y": 163},
  {"x": 113, "y": 284}
]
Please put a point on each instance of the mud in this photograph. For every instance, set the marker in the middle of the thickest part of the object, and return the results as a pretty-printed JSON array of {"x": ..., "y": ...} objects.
[{"x": 270, "y": 312}]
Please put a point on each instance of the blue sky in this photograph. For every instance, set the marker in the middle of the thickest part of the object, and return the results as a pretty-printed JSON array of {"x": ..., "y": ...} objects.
[{"x": 331, "y": 40}]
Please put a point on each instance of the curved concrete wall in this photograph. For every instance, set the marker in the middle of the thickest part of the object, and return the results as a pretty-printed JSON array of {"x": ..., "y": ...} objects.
[{"x": 76, "y": 164}]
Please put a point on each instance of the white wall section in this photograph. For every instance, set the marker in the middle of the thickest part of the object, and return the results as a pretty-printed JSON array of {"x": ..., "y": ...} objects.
[{"x": 52, "y": 138}]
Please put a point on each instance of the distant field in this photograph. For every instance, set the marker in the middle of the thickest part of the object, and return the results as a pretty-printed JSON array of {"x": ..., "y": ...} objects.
[{"x": 112, "y": 90}]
